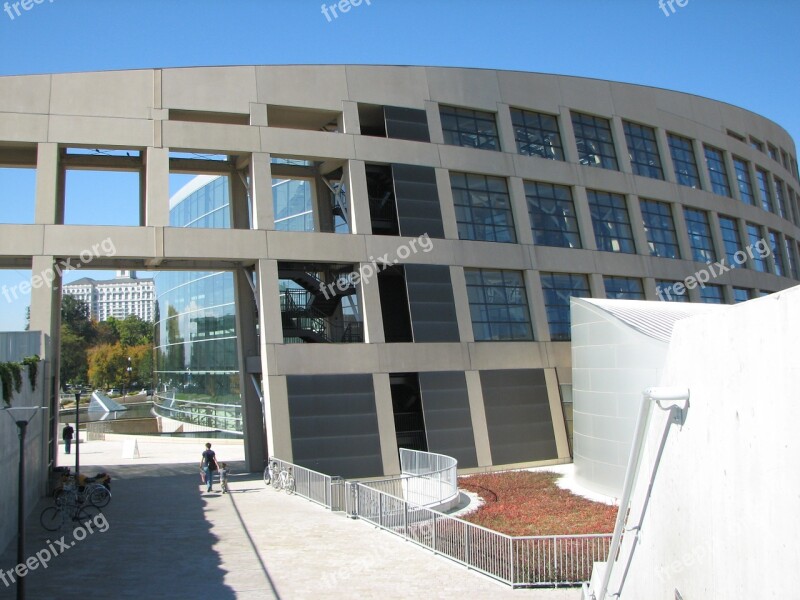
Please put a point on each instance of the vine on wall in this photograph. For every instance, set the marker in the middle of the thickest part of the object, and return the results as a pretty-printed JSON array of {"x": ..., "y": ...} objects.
[{"x": 11, "y": 376}]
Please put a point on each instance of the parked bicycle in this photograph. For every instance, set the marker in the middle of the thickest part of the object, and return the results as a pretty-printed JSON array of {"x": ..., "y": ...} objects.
[
  {"x": 71, "y": 508},
  {"x": 279, "y": 477}
]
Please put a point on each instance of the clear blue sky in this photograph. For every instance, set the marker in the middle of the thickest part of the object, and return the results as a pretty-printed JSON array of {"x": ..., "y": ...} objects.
[{"x": 744, "y": 52}]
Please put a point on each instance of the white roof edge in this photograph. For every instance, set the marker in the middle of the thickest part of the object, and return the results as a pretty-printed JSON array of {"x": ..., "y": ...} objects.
[{"x": 191, "y": 187}]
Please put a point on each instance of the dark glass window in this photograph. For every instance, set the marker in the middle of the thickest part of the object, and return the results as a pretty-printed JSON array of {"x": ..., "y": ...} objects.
[
  {"x": 558, "y": 288},
  {"x": 595, "y": 141},
  {"x": 643, "y": 150},
  {"x": 780, "y": 198},
  {"x": 756, "y": 242},
  {"x": 293, "y": 204},
  {"x": 763, "y": 189},
  {"x": 470, "y": 128},
  {"x": 611, "y": 223},
  {"x": 537, "y": 134},
  {"x": 717, "y": 171},
  {"x": 624, "y": 288},
  {"x": 712, "y": 294},
  {"x": 742, "y": 294},
  {"x": 777, "y": 253},
  {"x": 731, "y": 239},
  {"x": 483, "y": 208},
  {"x": 498, "y": 305},
  {"x": 791, "y": 259},
  {"x": 660, "y": 229},
  {"x": 684, "y": 161},
  {"x": 743, "y": 180},
  {"x": 671, "y": 291},
  {"x": 552, "y": 214},
  {"x": 699, "y": 235},
  {"x": 773, "y": 152}
]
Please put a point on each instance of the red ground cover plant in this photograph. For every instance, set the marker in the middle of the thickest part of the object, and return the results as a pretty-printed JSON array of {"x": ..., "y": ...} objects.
[{"x": 522, "y": 503}]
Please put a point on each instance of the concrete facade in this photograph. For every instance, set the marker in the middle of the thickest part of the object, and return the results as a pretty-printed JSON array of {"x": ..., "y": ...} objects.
[
  {"x": 718, "y": 521},
  {"x": 254, "y": 114}
]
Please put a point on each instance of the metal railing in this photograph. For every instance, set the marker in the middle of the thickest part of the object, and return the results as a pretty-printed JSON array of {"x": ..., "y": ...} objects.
[
  {"x": 534, "y": 561},
  {"x": 226, "y": 417}
]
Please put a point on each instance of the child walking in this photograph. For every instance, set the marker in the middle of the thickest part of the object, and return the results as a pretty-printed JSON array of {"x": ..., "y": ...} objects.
[{"x": 223, "y": 476}]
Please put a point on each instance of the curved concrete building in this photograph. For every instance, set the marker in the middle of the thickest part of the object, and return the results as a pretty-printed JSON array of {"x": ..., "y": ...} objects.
[{"x": 411, "y": 285}]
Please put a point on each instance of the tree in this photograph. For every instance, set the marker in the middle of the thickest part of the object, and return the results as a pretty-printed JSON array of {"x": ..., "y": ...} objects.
[
  {"x": 75, "y": 315},
  {"x": 134, "y": 332},
  {"x": 73, "y": 357},
  {"x": 107, "y": 365}
]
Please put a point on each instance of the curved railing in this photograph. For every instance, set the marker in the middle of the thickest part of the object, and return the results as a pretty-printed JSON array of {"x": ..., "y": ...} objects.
[{"x": 226, "y": 417}]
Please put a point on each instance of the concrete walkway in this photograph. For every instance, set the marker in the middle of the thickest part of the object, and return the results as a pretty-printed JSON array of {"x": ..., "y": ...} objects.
[{"x": 167, "y": 538}]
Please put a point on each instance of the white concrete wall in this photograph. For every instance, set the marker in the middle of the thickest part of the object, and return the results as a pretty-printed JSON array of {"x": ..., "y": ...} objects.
[
  {"x": 36, "y": 459},
  {"x": 722, "y": 521},
  {"x": 611, "y": 364}
]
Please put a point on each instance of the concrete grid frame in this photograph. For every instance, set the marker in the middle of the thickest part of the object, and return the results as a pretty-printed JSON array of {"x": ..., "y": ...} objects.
[{"x": 326, "y": 114}]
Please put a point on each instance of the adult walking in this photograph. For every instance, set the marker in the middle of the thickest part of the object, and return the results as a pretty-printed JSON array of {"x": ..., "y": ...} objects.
[
  {"x": 208, "y": 464},
  {"x": 66, "y": 435}
]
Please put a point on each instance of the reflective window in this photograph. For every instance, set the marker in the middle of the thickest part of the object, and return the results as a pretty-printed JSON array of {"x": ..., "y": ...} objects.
[
  {"x": 742, "y": 294},
  {"x": 552, "y": 214},
  {"x": 773, "y": 152},
  {"x": 643, "y": 150},
  {"x": 754, "y": 143},
  {"x": 595, "y": 142},
  {"x": 780, "y": 198},
  {"x": 470, "y": 128},
  {"x": 717, "y": 172},
  {"x": 660, "y": 229},
  {"x": 731, "y": 240},
  {"x": 762, "y": 177},
  {"x": 756, "y": 241},
  {"x": 743, "y": 181},
  {"x": 699, "y": 235},
  {"x": 777, "y": 252},
  {"x": 624, "y": 288},
  {"x": 683, "y": 159},
  {"x": 207, "y": 207},
  {"x": 791, "y": 259},
  {"x": 558, "y": 288},
  {"x": 293, "y": 204},
  {"x": 498, "y": 305},
  {"x": 610, "y": 221},
  {"x": 712, "y": 294},
  {"x": 483, "y": 208},
  {"x": 671, "y": 291},
  {"x": 537, "y": 134}
]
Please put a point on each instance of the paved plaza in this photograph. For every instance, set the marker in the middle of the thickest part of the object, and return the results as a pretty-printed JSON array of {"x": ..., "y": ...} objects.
[{"x": 167, "y": 538}]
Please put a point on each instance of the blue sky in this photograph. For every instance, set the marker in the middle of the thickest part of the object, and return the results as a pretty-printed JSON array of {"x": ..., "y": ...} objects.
[{"x": 744, "y": 52}]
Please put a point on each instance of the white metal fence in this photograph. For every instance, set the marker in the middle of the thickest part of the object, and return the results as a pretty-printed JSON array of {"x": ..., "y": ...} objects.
[{"x": 538, "y": 561}]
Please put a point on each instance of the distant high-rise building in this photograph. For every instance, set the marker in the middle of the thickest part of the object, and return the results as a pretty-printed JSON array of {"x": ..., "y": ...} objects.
[{"x": 124, "y": 295}]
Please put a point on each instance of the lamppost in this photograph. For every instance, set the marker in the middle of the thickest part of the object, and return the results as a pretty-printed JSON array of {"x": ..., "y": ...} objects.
[
  {"x": 22, "y": 417},
  {"x": 77, "y": 435}
]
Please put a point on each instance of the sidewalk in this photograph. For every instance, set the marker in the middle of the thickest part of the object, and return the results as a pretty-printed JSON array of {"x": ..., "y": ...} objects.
[{"x": 168, "y": 538}]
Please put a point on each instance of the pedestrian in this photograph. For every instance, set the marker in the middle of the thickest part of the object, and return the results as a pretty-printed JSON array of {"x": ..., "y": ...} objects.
[
  {"x": 223, "y": 476},
  {"x": 66, "y": 435},
  {"x": 208, "y": 464}
]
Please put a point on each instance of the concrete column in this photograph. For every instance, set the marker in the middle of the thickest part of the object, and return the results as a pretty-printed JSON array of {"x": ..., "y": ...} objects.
[
  {"x": 621, "y": 145},
  {"x": 637, "y": 225},
  {"x": 597, "y": 285},
  {"x": 258, "y": 115},
  {"x": 733, "y": 182},
  {"x": 269, "y": 304},
  {"x": 537, "y": 308},
  {"x": 716, "y": 235},
  {"x": 156, "y": 187},
  {"x": 434, "y": 122},
  {"x": 477, "y": 412},
  {"x": 505, "y": 128},
  {"x": 702, "y": 167},
  {"x": 666, "y": 156},
  {"x": 568, "y": 136},
  {"x": 277, "y": 422},
  {"x": 49, "y": 186},
  {"x": 446, "y": 203},
  {"x": 385, "y": 412},
  {"x": 583, "y": 214},
  {"x": 681, "y": 231},
  {"x": 371, "y": 310},
  {"x": 649, "y": 284},
  {"x": 519, "y": 206},
  {"x": 356, "y": 177},
  {"x": 557, "y": 413},
  {"x": 239, "y": 205},
  {"x": 255, "y": 447},
  {"x": 350, "y": 121},
  {"x": 261, "y": 190},
  {"x": 459, "y": 283}
]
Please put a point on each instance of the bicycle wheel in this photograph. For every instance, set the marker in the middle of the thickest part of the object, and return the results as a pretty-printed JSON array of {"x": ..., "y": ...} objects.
[
  {"x": 98, "y": 495},
  {"x": 85, "y": 513},
  {"x": 267, "y": 476},
  {"x": 276, "y": 481},
  {"x": 50, "y": 518},
  {"x": 289, "y": 485}
]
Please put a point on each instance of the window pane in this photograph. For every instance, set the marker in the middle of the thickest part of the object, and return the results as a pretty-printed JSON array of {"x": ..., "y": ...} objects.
[
  {"x": 660, "y": 229},
  {"x": 671, "y": 291},
  {"x": 470, "y": 128},
  {"x": 498, "y": 305},
  {"x": 712, "y": 294},
  {"x": 757, "y": 243},
  {"x": 733, "y": 243},
  {"x": 558, "y": 288},
  {"x": 537, "y": 134},
  {"x": 743, "y": 181},
  {"x": 643, "y": 150},
  {"x": 552, "y": 214},
  {"x": 699, "y": 235},
  {"x": 624, "y": 288},
  {"x": 610, "y": 221},
  {"x": 483, "y": 208},
  {"x": 717, "y": 171},
  {"x": 595, "y": 142},
  {"x": 763, "y": 190},
  {"x": 683, "y": 159}
]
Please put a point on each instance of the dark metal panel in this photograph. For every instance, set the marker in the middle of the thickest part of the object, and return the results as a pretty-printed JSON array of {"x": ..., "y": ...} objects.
[
  {"x": 518, "y": 416},
  {"x": 448, "y": 421},
  {"x": 430, "y": 298},
  {"x": 334, "y": 424},
  {"x": 406, "y": 124},
  {"x": 417, "y": 198}
]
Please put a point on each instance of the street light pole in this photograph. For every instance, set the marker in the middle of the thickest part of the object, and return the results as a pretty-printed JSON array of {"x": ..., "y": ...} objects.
[
  {"x": 22, "y": 429},
  {"x": 77, "y": 435}
]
